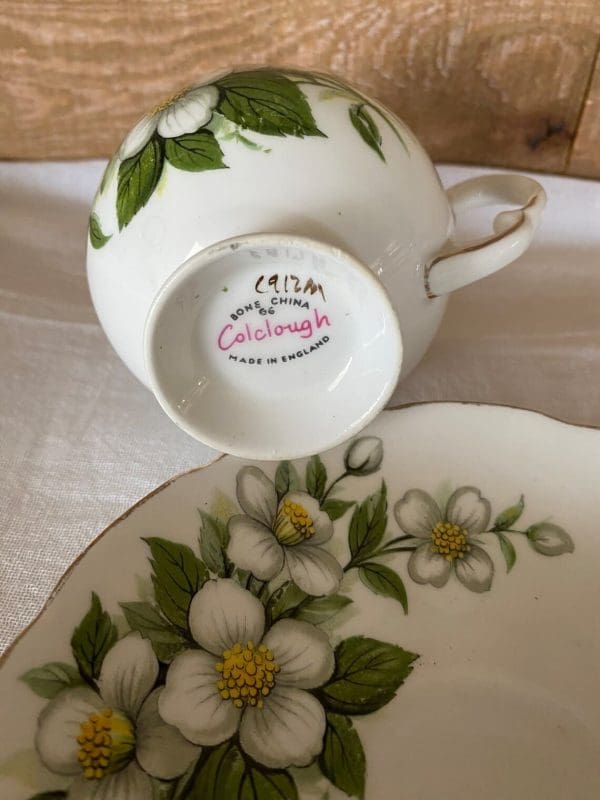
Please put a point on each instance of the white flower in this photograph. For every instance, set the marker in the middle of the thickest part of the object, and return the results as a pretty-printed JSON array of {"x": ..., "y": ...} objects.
[
  {"x": 185, "y": 112},
  {"x": 290, "y": 532},
  {"x": 445, "y": 540},
  {"x": 249, "y": 682},
  {"x": 549, "y": 539},
  {"x": 114, "y": 738}
]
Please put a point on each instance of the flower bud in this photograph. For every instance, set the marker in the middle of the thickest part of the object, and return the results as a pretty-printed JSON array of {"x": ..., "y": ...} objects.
[
  {"x": 549, "y": 539},
  {"x": 364, "y": 455}
]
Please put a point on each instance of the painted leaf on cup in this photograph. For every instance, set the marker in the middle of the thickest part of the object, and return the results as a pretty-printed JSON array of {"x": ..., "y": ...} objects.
[
  {"x": 195, "y": 152},
  {"x": 97, "y": 237},
  {"x": 366, "y": 127},
  {"x": 266, "y": 102},
  {"x": 342, "y": 760},
  {"x": 138, "y": 177}
]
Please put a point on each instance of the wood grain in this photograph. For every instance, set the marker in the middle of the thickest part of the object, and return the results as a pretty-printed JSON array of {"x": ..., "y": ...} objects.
[
  {"x": 482, "y": 81},
  {"x": 585, "y": 154}
]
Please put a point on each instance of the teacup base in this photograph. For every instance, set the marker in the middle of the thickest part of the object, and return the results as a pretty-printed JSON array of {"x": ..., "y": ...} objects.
[{"x": 270, "y": 346}]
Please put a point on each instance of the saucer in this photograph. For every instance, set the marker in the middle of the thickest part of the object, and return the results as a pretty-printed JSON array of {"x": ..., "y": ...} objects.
[{"x": 411, "y": 614}]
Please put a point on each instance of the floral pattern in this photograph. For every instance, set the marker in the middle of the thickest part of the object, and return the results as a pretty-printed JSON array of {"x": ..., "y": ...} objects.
[
  {"x": 289, "y": 532},
  {"x": 231, "y": 681},
  {"x": 249, "y": 682},
  {"x": 186, "y": 131},
  {"x": 185, "y": 112},
  {"x": 114, "y": 736},
  {"x": 447, "y": 541}
]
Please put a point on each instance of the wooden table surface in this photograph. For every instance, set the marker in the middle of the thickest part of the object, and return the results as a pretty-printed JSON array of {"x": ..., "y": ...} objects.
[{"x": 499, "y": 82}]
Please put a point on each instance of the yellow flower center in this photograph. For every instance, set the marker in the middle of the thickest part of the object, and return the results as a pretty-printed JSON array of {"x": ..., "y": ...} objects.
[
  {"x": 247, "y": 674},
  {"x": 293, "y": 523},
  {"x": 106, "y": 743},
  {"x": 450, "y": 541},
  {"x": 169, "y": 101}
]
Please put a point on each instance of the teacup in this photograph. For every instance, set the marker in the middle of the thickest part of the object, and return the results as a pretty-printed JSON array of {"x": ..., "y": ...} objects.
[{"x": 270, "y": 251}]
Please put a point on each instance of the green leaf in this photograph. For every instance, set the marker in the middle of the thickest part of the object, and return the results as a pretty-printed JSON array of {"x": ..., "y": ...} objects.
[
  {"x": 367, "y": 525},
  {"x": 162, "y": 790},
  {"x": 178, "y": 575},
  {"x": 508, "y": 550},
  {"x": 218, "y": 776},
  {"x": 342, "y": 759},
  {"x": 316, "y": 477},
  {"x": 138, "y": 177},
  {"x": 224, "y": 774},
  {"x": 284, "y": 601},
  {"x": 507, "y": 518},
  {"x": 195, "y": 152},
  {"x": 367, "y": 128},
  {"x": 92, "y": 639},
  {"x": 286, "y": 479},
  {"x": 266, "y": 102},
  {"x": 241, "y": 576},
  {"x": 57, "y": 794},
  {"x": 336, "y": 508},
  {"x": 367, "y": 674},
  {"x": 383, "y": 580},
  {"x": 181, "y": 786},
  {"x": 166, "y": 640},
  {"x": 261, "y": 784},
  {"x": 97, "y": 238},
  {"x": 320, "y": 609},
  {"x": 52, "y": 678},
  {"x": 214, "y": 539}
]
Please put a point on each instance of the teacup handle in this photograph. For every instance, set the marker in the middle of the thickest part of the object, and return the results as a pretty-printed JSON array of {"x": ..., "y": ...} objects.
[{"x": 513, "y": 230}]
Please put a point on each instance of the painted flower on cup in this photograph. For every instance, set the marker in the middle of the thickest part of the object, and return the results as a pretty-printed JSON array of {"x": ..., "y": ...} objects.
[
  {"x": 113, "y": 739},
  {"x": 247, "y": 682},
  {"x": 290, "y": 532},
  {"x": 185, "y": 112},
  {"x": 445, "y": 539}
]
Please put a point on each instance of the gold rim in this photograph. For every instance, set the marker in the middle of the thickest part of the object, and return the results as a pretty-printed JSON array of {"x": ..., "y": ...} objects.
[{"x": 472, "y": 248}]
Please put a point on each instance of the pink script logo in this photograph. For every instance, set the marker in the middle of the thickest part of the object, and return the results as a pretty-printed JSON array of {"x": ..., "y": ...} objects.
[{"x": 305, "y": 328}]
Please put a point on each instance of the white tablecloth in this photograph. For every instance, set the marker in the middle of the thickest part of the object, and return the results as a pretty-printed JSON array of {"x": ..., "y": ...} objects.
[{"x": 81, "y": 439}]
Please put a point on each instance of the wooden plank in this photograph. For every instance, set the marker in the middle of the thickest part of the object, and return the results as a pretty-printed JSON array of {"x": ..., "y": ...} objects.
[
  {"x": 585, "y": 155},
  {"x": 480, "y": 81}
]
